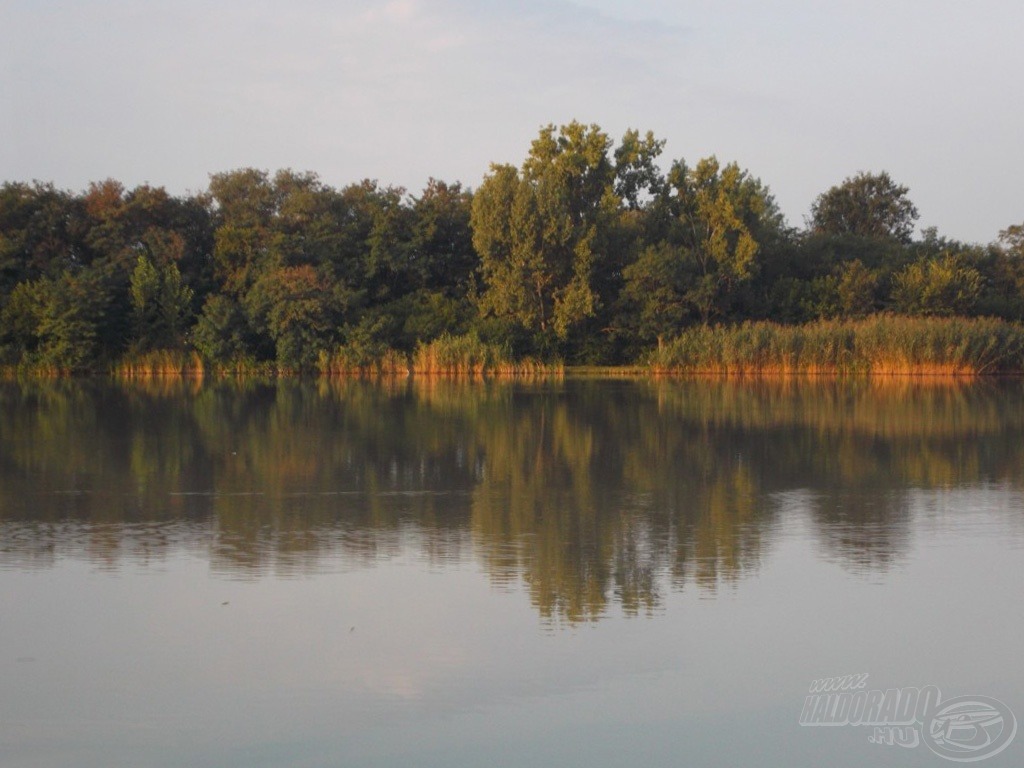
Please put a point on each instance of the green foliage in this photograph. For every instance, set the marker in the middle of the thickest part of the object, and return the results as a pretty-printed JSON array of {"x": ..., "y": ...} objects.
[
  {"x": 69, "y": 323},
  {"x": 554, "y": 256},
  {"x": 292, "y": 305},
  {"x": 716, "y": 213},
  {"x": 866, "y": 205},
  {"x": 586, "y": 252},
  {"x": 223, "y": 334},
  {"x": 41, "y": 233},
  {"x": 441, "y": 256},
  {"x": 1002, "y": 268},
  {"x": 856, "y": 289},
  {"x": 1012, "y": 240},
  {"x": 654, "y": 294},
  {"x": 636, "y": 170},
  {"x": 427, "y": 314},
  {"x": 161, "y": 306},
  {"x": 941, "y": 286},
  {"x": 363, "y": 352},
  {"x": 542, "y": 233},
  {"x": 20, "y": 320}
]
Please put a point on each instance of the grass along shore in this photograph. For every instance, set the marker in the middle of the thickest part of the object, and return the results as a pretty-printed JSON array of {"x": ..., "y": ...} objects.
[
  {"x": 878, "y": 345},
  {"x": 884, "y": 344}
]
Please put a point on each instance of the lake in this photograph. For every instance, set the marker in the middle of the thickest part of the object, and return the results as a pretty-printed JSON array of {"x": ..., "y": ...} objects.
[{"x": 576, "y": 572}]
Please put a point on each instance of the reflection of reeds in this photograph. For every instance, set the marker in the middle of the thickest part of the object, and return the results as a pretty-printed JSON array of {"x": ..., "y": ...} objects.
[
  {"x": 892, "y": 407},
  {"x": 884, "y": 344},
  {"x": 169, "y": 386}
]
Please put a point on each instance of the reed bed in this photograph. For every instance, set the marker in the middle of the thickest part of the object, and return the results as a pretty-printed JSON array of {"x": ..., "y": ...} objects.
[
  {"x": 360, "y": 361},
  {"x": 884, "y": 344},
  {"x": 190, "y": 364},
  {"x": 468, "y": 355},
  {"x": 160, "y": 362},
  {"x": 32, "y": 370}
]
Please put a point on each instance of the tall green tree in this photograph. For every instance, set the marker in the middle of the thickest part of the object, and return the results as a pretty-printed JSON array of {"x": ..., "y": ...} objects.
[
  {"x": 244, "y": 204},
  {"x": 869, "y": 205},
  {"x": 161, "y": 306},
  {"x": 441, "y": 251},
  {"x": 637, "y": 175},
  {"x": 717, "y": 214},
  {"x": 545, "y": 233}
]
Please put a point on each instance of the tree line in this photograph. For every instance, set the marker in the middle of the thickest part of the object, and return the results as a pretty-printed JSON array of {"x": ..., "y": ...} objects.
[{"x": 588, "y": 252}]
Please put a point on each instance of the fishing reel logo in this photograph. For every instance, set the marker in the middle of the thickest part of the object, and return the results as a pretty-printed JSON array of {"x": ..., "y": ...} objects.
[
  {"x": 970, "y": 728},
  {"x": 964, "y": 729}
]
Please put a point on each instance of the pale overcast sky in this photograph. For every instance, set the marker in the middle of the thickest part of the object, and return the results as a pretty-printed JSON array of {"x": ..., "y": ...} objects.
[{"x": 801, "y": 92}]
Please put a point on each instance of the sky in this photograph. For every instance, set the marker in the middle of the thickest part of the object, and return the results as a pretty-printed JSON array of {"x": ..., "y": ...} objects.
[{"x": 802, "y": 93}]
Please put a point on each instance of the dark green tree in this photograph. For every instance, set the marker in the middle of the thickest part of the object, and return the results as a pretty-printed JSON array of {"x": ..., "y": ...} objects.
[
  {"x": 293, "y": 306},
  {"x": 866, "y": 205},
  {"x": 161, "y": 306},
  {"x": 70, "y": 322},
  {"x": 222, "y": 334},
  {"x": 20, "y": 319},
  {"x": 41, "y": 233},
  {"x": 655, "y": 299},
  {"x": 441, "y": 251}
]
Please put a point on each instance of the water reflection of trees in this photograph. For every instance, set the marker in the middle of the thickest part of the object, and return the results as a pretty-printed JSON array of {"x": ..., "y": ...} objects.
[{"x": 591, "y": 494}]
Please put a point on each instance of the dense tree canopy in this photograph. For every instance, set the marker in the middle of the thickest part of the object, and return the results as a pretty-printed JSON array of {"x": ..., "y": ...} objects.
[
  {"x": 866, "y": 205},
  {"x": 586, "y": 251},
  {"x": 544, "y": 232}
]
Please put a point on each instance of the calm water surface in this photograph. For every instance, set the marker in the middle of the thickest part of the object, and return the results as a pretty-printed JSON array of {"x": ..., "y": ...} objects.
[{"x": 572, "y": 573}]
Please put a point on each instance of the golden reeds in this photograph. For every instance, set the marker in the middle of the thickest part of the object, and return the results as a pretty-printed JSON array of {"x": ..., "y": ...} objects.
[
  {"x": 884, "y": 344},
  {"x": 469, "y": 355},
  {"x": 160, "y": 362}
]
